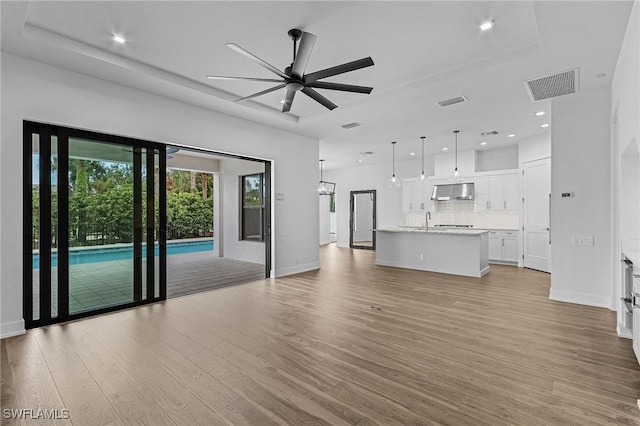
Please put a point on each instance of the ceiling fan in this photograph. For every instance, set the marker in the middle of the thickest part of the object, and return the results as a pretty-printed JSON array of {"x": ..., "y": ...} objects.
[{"x": 294, "y": 78}]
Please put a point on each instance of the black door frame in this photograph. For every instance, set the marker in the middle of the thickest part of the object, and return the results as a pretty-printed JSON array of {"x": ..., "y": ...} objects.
[
  {"x": 45, "y": 132},
  {"x": 372, "y": 192}
]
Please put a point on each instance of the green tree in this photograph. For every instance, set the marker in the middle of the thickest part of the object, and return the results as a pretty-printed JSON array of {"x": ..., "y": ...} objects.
[{"x": 188, "y": 215}]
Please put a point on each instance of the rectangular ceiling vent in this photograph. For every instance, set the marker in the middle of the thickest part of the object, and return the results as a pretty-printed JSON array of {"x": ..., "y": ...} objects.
[
  {"x": 453, "y": 101},
  {"x": 491, "y": 133},
  {"x": 550, "y": 86},
  {"x": 350, "y": 125}
]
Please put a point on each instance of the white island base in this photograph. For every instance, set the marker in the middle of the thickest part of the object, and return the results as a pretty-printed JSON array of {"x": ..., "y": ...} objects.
[{"x": 458, "y": 252}]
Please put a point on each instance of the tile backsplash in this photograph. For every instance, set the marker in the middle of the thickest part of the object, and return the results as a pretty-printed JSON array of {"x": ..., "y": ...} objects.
[{"x": 460, "y": 212}]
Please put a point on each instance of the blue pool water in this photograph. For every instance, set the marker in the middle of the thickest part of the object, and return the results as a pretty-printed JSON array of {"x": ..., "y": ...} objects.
[{"x": 92, "y": 255}]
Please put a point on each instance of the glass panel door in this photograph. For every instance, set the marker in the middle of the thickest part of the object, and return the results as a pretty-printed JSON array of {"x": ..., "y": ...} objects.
[
  {"x": 94, "y": 223},
  {"x": 101, "y": 225}
]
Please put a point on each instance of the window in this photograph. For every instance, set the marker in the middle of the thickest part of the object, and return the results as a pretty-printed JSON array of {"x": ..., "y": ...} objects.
[{"x": 252, "y": 207}]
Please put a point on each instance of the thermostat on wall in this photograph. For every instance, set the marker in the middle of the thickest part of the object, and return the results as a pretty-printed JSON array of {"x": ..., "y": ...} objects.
[
  {"x": 567, "y": 195},
  {"x": 279, "y": 195}
]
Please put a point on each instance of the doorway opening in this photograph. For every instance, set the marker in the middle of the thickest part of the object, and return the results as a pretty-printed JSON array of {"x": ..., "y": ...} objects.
[
  {"x": 218, "y": 205},
  {"x": 96, "y": 214},
  {"x": 362, "y": 222}
]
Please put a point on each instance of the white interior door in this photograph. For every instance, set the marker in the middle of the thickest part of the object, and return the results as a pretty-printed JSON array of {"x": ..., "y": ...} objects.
[{"x": 536, "y": 190}]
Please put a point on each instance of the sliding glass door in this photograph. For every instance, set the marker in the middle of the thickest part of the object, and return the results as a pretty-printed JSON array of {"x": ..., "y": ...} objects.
[{"x": 94, "y": 223}]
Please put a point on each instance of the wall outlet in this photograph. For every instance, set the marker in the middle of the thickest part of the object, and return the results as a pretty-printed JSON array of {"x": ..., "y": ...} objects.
[
  {"x": 297, "y": 260},
  {"x": 421, "y": 256},
  {"x": 582, "y": 241},
  {"x": 281, "y": 232}
]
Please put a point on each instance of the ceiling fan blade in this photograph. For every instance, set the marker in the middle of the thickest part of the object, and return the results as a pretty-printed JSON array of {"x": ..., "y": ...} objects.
[
  {"x": 339, "y": 69},
  {"x": 257, "y": 60},
  {"x": 304, "y": 53},
  {"x": 218, "y": 77},
  {"x": 319, "y": 98},
  {"x": 339, "y": 86},
  {"x": 264, "y": 92},
  {"x": 288, "y": 101}
]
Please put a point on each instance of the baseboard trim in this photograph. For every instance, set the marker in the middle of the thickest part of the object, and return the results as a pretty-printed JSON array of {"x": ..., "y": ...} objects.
[
  {"x": 10, "y": 329},
  {"x": 624, "y": 332},
  {"x": 579, "y": 298},
  {"x": 298, "y": 269}
]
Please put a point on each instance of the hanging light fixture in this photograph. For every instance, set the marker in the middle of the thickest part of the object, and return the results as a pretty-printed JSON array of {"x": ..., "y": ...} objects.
[
  {"x": 325, "y": 188},
  {"x": 422, "y": 178},
  {"x": 393, "y": 182},
  {"x": 456, "y": 177}
]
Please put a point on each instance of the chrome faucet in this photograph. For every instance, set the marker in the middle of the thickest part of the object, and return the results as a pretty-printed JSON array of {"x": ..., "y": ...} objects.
[{"x": 427, "y": 216}]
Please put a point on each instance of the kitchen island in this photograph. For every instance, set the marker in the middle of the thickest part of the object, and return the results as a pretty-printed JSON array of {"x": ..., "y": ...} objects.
[{"x": 448, "y": 251}]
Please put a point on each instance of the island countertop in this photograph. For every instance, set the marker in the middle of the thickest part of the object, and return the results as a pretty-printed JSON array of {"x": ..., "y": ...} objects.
[
  {"x": 453, "y": 231},
  {"x": 448, "y": 251}
]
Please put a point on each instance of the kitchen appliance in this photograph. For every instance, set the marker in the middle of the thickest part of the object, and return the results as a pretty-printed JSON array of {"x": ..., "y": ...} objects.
[
  {"x": 627, "y": 296},
  {"x": 455, "y": 191}
]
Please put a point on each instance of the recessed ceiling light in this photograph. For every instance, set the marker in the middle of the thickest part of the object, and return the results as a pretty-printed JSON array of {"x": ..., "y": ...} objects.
[
  {"x": 539, "y": 113},
  {"x": 511, "y": 135},
  {"x": 283, "y": 101},
  {"x": 412, "y": 153},
  {"x": 119, "y": 39},
  {"x": 360, "y": 160},
  {"x": 486, "y": 26},
  {"x": 483, "y": 143},
  {"x": 545, "y": 125},
  {"x": 445, "y": 149}
]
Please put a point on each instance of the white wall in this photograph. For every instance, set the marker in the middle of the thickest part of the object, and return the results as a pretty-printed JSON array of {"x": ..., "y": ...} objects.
[
  {"x": 375, "y": 176},
  {"x": 497, "y": 159},
  {"x": 534, "y": 148},
  {"x": 325, "y": 237},
  {"x": 39, "y": 92},
  {"x": 580, "y": 164},
  {"x": 233, "y": 246},
  {"x": 625, "y": 146}
]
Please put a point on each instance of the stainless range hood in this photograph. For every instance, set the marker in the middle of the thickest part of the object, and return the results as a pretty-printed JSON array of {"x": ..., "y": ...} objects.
[{"x": 454, "y": 191}]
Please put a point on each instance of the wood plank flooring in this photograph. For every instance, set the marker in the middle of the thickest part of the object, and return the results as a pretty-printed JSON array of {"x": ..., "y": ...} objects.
[{"x": 352, "y": 344}]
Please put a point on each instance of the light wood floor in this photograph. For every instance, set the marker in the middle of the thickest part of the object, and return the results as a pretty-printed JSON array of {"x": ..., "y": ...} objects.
[{"x": 350, "y": 344}]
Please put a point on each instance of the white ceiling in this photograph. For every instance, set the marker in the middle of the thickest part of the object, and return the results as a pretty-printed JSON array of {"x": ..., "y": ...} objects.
[{"x": 424, "y": 52}]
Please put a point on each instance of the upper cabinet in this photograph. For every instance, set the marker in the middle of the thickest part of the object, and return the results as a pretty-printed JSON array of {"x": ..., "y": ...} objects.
[
  {"x": 496, "y": 192},
  {"x": 416, "y": 195}
]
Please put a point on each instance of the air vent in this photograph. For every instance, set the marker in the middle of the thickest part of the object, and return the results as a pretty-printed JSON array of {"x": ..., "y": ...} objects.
[
  {"x": 550, "y": 86},
  {"x": 453, "y": 101},
  {"x": 351, "y": 125},
  {"x": 366, "y": 153},
  {"x": 491, "y": 133}
]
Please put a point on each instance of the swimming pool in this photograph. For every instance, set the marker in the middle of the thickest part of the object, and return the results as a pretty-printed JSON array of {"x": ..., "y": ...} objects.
[{"x": 79, "y": 255}]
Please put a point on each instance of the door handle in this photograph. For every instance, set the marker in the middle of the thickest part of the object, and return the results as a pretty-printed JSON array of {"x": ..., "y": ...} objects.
[{"x": 548, "y": 228}]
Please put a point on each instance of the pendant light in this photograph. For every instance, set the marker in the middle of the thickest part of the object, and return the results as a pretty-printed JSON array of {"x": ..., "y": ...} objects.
[
  {"x": 325, "y": 188},
  {"x": 393, "y": 182},
  {"x": 422, "y": 178},
  {"x": 456, "y": 177}
]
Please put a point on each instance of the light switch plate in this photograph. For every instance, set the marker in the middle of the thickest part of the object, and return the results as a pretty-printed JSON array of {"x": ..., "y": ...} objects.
[{"x": 582, "y": 240}]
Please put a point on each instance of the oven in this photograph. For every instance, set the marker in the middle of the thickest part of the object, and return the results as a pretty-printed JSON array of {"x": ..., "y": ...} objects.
[{"x": 627, "y": 297}]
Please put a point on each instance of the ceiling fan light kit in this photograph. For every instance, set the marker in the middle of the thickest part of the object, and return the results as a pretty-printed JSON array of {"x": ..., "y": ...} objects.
[{"x": 294, "y": 79}]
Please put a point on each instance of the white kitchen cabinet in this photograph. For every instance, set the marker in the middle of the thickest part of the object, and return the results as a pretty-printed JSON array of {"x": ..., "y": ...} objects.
[
  {"x": 495, "y": 245},
  {"x": 408, "y": 186},
  {"x": 413, "y": 195},
  {"x": 496, "y": 192},
  {"x": 511, "y": 199},
  {"x": 503, "y": 246},
  {"x": 510, "y": 246},
  {"x": 481, "y": 193}
]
